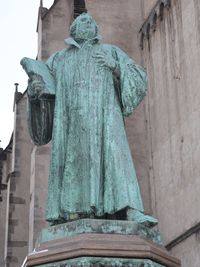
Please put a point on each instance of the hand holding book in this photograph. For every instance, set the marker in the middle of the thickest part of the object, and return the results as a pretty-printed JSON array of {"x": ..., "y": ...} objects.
[
  {"x": 41, "y": 84},
  {"x": 35, "y": 87}
]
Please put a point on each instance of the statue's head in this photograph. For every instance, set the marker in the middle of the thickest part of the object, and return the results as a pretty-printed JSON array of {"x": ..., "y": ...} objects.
[{"x": 84, "y": 28}]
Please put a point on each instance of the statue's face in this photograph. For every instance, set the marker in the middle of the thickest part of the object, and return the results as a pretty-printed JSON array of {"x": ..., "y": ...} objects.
[{"x": 86, "y": 28}]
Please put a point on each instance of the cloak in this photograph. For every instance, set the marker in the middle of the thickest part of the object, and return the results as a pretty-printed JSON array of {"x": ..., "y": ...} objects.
[{"x": 91, "y": 170}]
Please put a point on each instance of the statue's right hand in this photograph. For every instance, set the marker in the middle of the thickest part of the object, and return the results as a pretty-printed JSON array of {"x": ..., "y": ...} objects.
[{"x": 34, "y": 88}]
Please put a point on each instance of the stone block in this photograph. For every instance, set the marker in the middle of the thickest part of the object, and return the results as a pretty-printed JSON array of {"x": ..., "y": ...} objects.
[
  {"x": 94, "y": 243},
  {"x": 85, "y": 226}
]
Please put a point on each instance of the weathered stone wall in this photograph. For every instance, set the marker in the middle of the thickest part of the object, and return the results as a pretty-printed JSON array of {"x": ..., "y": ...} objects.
[
  {"x": 53, "y": 28},
  {"x": 40, "y": 160},
  {"x": 147, "y": 7},
  {"x": 188, "y": 251},
  {"x": 6, "y": 165},
  {"x": 2, "y": 227},
  {"x": 19, "y": 188},
  {"x": 172, "y": 58},
  {"x": 119, "y": 23}
]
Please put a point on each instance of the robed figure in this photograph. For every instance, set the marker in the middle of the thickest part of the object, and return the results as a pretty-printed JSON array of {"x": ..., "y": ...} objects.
[{"x": 93, "y": 87}]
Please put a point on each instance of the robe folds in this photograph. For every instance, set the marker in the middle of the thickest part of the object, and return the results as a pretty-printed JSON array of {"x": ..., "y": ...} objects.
[{"x": 91, "y": 170}]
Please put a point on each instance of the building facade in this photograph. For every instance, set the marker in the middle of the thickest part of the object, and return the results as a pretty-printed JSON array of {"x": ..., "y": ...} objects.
[{"x": 163, "y": 132}]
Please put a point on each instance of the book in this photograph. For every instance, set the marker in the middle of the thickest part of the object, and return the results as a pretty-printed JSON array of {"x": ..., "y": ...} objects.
[{"x": 38, "y": 70}]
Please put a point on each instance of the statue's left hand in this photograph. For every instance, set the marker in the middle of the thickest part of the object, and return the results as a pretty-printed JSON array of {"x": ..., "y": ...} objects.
[{"x": 105, "y": 60}]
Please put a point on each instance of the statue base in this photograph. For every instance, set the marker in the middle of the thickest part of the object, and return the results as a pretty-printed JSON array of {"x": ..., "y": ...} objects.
[{"x": 96, "y": 243}]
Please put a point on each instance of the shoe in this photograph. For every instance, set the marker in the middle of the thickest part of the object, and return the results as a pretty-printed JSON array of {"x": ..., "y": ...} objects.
[{"x": 139, "y": 217}]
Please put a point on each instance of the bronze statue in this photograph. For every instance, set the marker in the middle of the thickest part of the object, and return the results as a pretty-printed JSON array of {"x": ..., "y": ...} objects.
[{"x": 79, "y": 98}]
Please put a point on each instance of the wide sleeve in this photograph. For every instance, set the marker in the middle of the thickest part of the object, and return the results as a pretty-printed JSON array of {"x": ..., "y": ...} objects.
[
  {"x": 41, "y": 110},
  {"x": 40, "y": 120},
  {"x": 132, "y": 82}
]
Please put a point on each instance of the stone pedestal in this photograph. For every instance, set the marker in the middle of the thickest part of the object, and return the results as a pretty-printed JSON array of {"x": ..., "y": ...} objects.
[{"x": 96, "y": 243}]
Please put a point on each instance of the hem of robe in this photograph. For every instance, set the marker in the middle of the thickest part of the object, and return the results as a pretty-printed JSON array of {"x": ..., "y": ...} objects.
[{"x": 70, "y": 216}]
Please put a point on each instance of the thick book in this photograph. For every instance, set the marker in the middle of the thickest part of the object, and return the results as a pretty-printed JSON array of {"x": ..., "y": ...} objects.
[{"x": 38, "y": 70}]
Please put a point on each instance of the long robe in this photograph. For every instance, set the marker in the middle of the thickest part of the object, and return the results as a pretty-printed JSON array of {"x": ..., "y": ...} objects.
[{"x": 91, "y": 170}]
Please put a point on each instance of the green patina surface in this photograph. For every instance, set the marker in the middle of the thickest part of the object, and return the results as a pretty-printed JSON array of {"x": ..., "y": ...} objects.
[
  {"x": 79, "y": 98},
  {"x": 97, "y": 226},
  {"x": 103, "y": 262}
]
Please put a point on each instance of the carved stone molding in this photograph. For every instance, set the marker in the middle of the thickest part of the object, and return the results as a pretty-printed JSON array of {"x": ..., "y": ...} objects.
[
  {"x": 151, "y": 22},
  {"x": 100, "y": 245},
  {"x": 95, "y": 243}
]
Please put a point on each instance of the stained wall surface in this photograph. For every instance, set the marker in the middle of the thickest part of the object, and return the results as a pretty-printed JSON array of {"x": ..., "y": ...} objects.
[
  {"x": 40, "y": 160},
  {"x": 147, "y": 7},
  {"x": 172, "y": 56},
  {"x": 5, "y": 169},
  {"x": 2, "y": 228},
  {"x": 53, "y": 28},
  {"x": 188, "y": 251},
  {"x": 18, "y": 190}
]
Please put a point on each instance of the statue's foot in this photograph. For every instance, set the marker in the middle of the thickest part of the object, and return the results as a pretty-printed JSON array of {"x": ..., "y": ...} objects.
[{"x": 139, "y": 217}]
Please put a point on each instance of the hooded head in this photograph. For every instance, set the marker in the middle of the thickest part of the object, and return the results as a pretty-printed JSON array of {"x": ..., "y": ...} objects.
[{"x": 84, "y": 28}]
